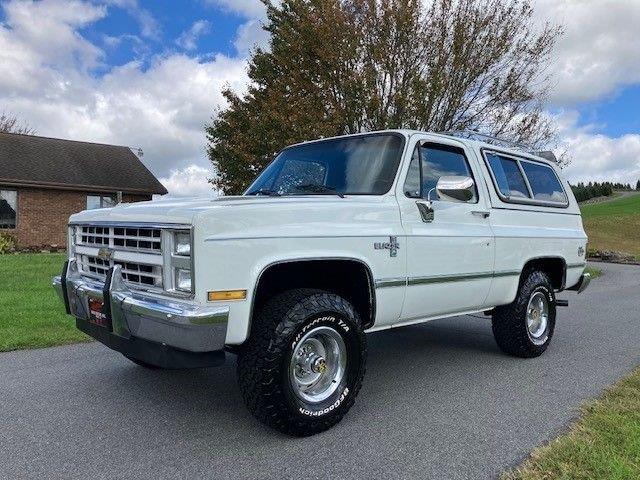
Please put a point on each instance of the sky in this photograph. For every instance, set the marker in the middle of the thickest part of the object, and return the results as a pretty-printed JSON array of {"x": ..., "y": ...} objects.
[{"x": 149, "y": 74}]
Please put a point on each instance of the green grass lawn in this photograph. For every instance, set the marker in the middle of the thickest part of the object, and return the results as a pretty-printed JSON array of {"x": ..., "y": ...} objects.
[
  {"x": 31, "y": 315},
  {"x": 595, "y": 272},
  {"x": 614, "y": 225},
  {"x": 603, "y": 444}
]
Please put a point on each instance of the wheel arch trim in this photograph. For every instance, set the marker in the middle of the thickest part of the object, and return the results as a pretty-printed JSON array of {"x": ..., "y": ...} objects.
[
  {"x": 550, "y": 257},
  {"x": 371, "y": 287}
]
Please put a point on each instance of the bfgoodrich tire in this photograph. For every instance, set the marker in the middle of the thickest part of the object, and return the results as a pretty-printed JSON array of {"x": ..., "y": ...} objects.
[
  {"x": 303, "y": 364},
  {"x": 524, "y": 328}
]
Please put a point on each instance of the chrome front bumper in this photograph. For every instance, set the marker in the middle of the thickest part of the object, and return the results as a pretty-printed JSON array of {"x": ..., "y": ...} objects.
[{"x": 176, "y": 323}]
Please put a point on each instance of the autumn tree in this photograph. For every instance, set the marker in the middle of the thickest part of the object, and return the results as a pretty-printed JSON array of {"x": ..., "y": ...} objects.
[
  {"x": 11, "y": 124},
  {"x": 345, "y": 66}
]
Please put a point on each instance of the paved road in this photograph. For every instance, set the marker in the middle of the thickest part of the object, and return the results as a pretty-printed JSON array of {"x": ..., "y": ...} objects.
[{"x": 439, "y": 401}]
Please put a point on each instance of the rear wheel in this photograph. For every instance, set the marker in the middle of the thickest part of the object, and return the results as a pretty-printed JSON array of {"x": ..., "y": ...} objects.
[
  {"x": 524, "y": 328},
  {"x": 302, "y": 366}
]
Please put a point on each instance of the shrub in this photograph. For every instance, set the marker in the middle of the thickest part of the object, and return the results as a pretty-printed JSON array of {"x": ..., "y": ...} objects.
[{"x": 7, "y": 243}]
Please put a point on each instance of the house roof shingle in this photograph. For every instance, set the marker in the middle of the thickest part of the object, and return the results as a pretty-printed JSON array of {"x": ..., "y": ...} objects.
[{"x": 29, "y": 160}]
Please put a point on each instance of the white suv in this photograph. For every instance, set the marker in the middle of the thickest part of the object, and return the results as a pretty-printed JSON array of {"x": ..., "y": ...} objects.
[{"x": 336, "y": 237}]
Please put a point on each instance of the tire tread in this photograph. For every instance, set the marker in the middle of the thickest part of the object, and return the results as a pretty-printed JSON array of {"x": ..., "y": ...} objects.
[{"x": 260, "y": 360}]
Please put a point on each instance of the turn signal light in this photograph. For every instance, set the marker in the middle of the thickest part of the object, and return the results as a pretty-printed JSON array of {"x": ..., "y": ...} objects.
[{"x": 227, "y": 295}]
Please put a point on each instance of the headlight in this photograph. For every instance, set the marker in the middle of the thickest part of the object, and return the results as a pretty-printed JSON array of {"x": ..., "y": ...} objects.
[
  {"x": 183, "y": 280},
  {"x": 180, "y": 279},
  {"x": 182, "y": 244}
]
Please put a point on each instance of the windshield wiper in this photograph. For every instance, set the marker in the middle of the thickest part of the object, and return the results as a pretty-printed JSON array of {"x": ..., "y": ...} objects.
[
  {"x": 319, "y": 188},
  {"x": 265, "y": 191}
]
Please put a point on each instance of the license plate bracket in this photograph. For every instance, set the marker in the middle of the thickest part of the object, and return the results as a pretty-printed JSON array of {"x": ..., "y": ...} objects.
[{"x": 97, "y": 314}]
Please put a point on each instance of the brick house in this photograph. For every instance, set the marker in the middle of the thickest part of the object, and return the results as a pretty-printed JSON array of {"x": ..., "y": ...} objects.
[{"x": 45, "y": 180}]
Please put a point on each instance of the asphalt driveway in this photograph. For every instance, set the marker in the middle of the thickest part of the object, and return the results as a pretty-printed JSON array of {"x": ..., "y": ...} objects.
[{"x": 439, "y": 401}]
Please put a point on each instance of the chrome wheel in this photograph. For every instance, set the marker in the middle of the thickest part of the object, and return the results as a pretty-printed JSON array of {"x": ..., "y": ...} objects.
[
  {"x": 318, "y": 364},
  {"x": 538, "y": 318}
]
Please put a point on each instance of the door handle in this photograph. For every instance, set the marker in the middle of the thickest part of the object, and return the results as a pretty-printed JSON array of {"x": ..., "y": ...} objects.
[{"x": 481, "y": 213}]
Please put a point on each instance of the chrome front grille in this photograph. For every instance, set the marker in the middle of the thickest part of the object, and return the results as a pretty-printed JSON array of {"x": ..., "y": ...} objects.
[
  {"x": 121, "y": 238},
  {"x": 132, "y": 272},
  {"x": 137, "y": 249}
]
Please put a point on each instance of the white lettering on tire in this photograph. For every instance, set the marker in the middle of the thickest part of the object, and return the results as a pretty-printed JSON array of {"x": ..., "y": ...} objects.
[{"x": 324, "y": 411}]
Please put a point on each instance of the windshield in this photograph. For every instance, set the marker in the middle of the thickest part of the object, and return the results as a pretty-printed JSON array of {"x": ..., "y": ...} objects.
[{"x": 364, "y": 165}]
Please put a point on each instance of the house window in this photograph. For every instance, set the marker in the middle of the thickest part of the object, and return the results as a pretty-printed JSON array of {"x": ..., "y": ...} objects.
[
  {"x": 8, "y": 208},
  {"x": 100, "y": 201}
]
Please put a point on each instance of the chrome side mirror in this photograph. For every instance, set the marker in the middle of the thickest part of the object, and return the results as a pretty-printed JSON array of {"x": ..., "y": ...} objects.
[{"x": 456, "y": 189}]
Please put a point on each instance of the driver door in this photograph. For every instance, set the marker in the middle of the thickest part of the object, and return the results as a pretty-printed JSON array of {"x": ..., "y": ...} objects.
[{"x": 450, "y": 254}]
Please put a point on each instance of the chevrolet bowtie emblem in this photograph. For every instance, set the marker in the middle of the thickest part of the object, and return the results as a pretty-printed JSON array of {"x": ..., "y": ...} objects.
[
  {"x": 392, "y": 245},
  {"x": 105, "y": 254}
]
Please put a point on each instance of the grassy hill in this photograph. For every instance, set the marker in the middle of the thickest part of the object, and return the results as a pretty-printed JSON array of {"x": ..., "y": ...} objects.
[{"x": 614, "y": 225}]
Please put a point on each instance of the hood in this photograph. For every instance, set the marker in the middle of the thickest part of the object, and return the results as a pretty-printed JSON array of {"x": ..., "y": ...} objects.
[{"x": 184, "y": 210}]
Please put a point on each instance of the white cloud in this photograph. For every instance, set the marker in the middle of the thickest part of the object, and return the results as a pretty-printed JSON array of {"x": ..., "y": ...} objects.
[
  {"x": 246, "y": 8},
  {"x": 190, "y": 181},
  {"x": 600, "y": 50},
  {"x": 161, "y": 107},
  {"x": 188, "y": 38},
  {"x": 249, "y": 36},
  {"x": 596, "y": 157},
  {"x": 39, "y": 32}
]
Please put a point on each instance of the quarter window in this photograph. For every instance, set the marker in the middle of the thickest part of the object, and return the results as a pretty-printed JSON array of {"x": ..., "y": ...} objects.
[
  {"x": 8, "y": 208},
  {"x": 544, "y": 182},
  {"x": 412, "y": 183},
  {"x": 508, "y": 176}
]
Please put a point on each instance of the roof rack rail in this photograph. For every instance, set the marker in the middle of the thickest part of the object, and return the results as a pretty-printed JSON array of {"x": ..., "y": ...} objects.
[
  {"x": 483, "y": 137},
  {"x": 501, "y": 142}
]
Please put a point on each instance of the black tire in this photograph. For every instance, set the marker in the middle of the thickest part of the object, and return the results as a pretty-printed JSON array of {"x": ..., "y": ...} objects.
[
  {"x": 143, "y": 364},
  {"x": 509, "y": 322},
  {"x": 264, "y": 361}
]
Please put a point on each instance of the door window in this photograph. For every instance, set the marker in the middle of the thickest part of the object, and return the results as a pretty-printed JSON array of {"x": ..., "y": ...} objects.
[{"x": 431, "y": 161}]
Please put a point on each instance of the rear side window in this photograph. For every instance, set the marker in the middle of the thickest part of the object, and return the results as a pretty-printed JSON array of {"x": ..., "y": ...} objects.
[
  {"x": 525, "y": 181},
  {"x": 508, "y": 176},
  {"x": 544, "y": 182}
]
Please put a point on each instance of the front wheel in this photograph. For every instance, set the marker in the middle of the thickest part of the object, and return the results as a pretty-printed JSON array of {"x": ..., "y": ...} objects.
[
  {"x": 302, "y": 366},
  {"x": 524, "y": 328}
]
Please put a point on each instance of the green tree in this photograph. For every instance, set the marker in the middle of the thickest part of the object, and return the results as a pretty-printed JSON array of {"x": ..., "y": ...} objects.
[
  {"x": 346, "y": 66},
  {"x": 638, "y": 185}
]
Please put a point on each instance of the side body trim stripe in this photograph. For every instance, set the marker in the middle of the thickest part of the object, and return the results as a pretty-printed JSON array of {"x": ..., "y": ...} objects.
[{"x": 401, "y": 281}]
